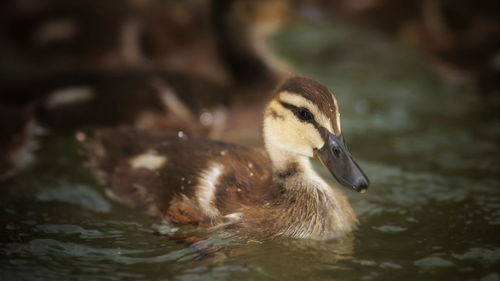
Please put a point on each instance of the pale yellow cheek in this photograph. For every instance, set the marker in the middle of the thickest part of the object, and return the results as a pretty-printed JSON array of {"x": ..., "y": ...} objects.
[
  {"x": 315, "y": 138},
  {"x": 291, "y": 134}
]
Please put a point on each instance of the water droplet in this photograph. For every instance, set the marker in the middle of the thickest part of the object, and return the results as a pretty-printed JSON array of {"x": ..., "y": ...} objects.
[
  {"x": 80, "y": 136},
  {"x": 206, "y": 118}
]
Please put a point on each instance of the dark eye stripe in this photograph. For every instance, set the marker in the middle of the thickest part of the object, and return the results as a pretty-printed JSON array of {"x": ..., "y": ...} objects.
[
  {"x": 296, "y": 111},
  {"x": 302, "y": 113}
]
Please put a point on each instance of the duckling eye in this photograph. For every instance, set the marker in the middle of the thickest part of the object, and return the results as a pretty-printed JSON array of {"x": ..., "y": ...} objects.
[
  {"x": 300, "y": 112},
  {"x": 305, "y": 115}
]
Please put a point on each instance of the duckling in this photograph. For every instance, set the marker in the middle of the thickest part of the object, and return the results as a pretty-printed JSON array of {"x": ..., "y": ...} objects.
[{"x": 269, "y": 193}]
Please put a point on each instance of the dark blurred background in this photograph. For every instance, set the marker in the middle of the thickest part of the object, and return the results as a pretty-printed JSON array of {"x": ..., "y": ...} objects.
[
  {"x": 462, "y": 38},
  {"x": 186, "y": 65}
]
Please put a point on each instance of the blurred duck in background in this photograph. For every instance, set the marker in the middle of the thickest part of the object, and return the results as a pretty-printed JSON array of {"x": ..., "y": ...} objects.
[
  {"x": 170, "y": 65},
  {"x": 156, "y": 65}
]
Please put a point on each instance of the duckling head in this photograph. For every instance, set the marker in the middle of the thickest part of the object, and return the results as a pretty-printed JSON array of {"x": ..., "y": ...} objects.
[{"x": 301, "y": 121}]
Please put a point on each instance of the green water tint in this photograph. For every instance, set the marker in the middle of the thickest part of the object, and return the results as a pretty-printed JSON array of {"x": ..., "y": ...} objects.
[{"x": 432, "y": 211}]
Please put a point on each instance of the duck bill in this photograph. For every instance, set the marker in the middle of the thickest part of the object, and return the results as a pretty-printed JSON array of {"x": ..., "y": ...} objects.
[{"x": 335, "y": 156}]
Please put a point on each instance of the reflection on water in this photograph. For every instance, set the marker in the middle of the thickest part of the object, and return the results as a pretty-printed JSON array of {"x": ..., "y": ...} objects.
[{"x": 432, "y": 212}]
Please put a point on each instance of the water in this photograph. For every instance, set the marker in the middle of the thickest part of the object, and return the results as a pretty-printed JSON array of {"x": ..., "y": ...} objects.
[{"x": 432, "y": 212}]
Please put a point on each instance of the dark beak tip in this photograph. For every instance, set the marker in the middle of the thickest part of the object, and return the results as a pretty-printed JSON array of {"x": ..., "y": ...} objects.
[{"x": 361, "y": 187}]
